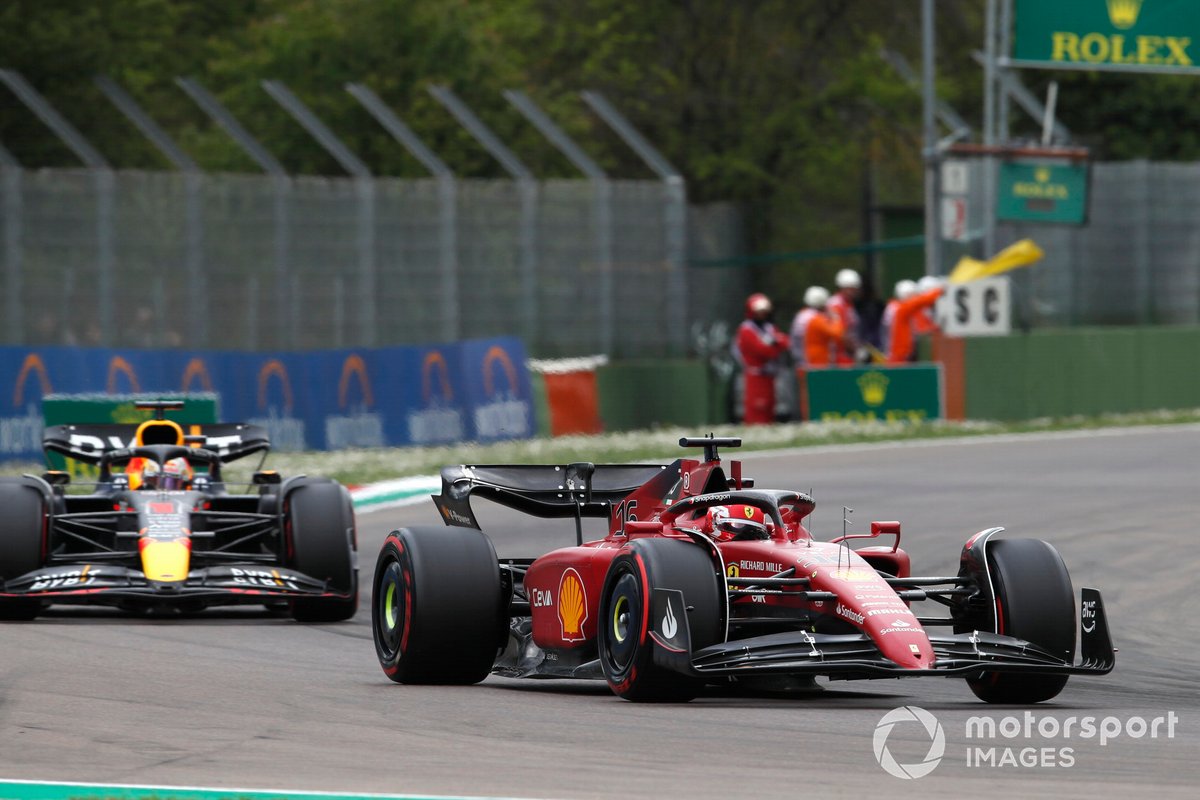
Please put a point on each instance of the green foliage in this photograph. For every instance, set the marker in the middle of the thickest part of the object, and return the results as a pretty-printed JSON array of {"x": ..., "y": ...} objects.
[{"x": 784, "y": 107}]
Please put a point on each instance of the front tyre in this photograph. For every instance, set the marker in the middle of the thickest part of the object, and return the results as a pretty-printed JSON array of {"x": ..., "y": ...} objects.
[
  {"x": 22, "y": 525},
  {"x": 626, "y": 650},
  {"x": 1035, "y": 602},
  {"x": 437, "y": 607}
]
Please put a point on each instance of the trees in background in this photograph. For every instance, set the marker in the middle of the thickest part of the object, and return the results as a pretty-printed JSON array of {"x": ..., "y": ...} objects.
[{"x": 776, "y": 105}]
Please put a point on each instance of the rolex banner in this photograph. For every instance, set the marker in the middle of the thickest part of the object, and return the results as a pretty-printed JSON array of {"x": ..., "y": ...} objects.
[
  {"x": 1112, "y": 34},
  {"x": 884, "y": 394}
]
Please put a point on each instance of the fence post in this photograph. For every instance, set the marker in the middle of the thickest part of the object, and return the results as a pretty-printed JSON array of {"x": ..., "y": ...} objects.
[
  {"x": 527, "y": 191},
  {"x": 674, "y": 213},
  {"x": 197, "y": 294},
  {"x": 104, "y": 184},
  {"x": 286, "y": 310},
  {"x": 364, "y": 188},
  {"x": 1140, "y": 206},
  {"x": 447, "y": 201},
  {"x": 601, "y": 204},
  {"x": 10, "y": 173}
]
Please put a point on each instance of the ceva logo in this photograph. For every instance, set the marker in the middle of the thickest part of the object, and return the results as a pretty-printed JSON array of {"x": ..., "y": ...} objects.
[
  {"x": 503, "y": 415},
  {"x": 359, "y": 427},
  {"x": 22, "y": 433},
  {"x": 439, "y": 420},
  {"x": 285, "y": 431}
]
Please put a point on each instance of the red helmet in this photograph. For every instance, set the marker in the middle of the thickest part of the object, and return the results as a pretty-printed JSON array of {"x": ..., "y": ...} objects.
[
  {"x": 737, "y": 522},
  {"x": 756, "y": 304}
]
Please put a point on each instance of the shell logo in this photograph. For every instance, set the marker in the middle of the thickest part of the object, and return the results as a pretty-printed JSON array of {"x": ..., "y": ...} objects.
[
  {"x": 572, "y": 606},
  {"x": 855, "y": 575}
]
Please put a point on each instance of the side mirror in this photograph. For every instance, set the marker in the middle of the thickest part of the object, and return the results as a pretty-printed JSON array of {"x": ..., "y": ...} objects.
[
  {"x": 267, "y": 477},
  {"x": 643, "y": 528},
  {"x": 56, "y": 477}
]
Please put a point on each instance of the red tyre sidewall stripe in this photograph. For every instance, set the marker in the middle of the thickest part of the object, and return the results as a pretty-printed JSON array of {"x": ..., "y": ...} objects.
[
  {"x": 408, "y": 596},
  {"x": 999, "y": 630},
  {"x": 645, "y": 599}
]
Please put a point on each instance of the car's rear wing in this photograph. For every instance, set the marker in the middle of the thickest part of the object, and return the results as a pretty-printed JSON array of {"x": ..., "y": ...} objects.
[
  {"x": 88, "y": 442},
  {"x": 541, "y": 490}
]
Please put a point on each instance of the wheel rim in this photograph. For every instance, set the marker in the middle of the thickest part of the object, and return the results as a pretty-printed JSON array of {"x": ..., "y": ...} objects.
[
  {"x": 390, "y": 626},
  {"x": 624, "y": 623}
]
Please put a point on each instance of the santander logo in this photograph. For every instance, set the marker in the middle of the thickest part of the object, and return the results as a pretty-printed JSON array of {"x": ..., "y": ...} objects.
[{"x": 846, "y": 613}]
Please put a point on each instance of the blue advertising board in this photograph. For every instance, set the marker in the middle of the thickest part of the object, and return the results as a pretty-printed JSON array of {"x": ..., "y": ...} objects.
[{"x": 477, "y": 390}]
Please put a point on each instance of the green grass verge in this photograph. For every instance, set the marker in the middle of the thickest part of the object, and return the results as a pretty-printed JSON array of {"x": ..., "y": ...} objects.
[{"x": 658, "y": 445}]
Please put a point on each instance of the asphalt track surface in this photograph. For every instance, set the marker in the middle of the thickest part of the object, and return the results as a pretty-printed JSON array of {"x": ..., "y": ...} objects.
[{"x": 246, "y": 699}]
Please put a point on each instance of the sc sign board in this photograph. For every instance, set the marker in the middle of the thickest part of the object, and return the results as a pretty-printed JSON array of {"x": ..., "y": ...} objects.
[{"x": 978, "y": 308}]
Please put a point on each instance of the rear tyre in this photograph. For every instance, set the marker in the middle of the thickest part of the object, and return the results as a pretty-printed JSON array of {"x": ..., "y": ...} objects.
[
  {"x": 437, "y": 609},
  {"x": 22, "y": 526},
  {"x": 319, "y": 524},
  {"x": 626, "y": 650},
  {"x": 1035, "y": 602}
]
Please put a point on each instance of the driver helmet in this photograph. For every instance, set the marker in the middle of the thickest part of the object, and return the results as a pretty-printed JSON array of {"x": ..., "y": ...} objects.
[
  {"x": 737, "y": 522},
  {"x": 150, "y": 474},
  {"x": 176, "y": 474}
]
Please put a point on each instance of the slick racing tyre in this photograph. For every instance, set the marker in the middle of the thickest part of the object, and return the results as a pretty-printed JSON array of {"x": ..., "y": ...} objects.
[
  {"x": 626, "y": 650},
  {"x": 22, "y": 524},
  {"x": 1034, "y": 602},
  {"x": 437, "y": 610},
  {"x": 319, "y": 541}
]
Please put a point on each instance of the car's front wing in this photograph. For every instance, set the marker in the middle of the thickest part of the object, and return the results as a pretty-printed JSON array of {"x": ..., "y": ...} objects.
[
  {"x": 105, "y": 584},
  {"x": 855, "y": 656}
]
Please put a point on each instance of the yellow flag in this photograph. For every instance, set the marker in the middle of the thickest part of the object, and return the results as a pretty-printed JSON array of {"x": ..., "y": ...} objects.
[{"x": 1018, "y": 254}]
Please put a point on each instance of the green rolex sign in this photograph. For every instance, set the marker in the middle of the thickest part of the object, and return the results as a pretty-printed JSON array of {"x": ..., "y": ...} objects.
[
  {"x": 1032, "y": 191},
  {"x": 1108, "y": 34},
  {"x": 888, "y": 394}
]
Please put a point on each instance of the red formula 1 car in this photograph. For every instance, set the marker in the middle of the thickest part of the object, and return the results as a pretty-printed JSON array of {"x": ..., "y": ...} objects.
[
  {"x": 145, "y": 538},
  {"x": 704, "y": 579}
]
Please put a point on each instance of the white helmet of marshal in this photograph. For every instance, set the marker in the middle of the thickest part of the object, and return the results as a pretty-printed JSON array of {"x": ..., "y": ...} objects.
[
  {"x": 816, "y": 297},
  {"x": 848, "y": 279}
]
